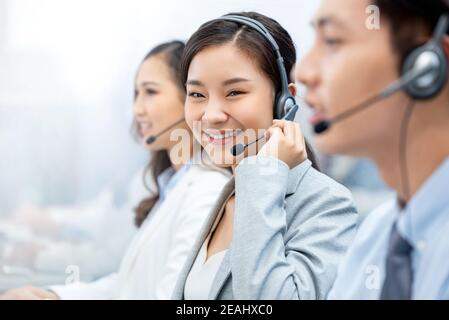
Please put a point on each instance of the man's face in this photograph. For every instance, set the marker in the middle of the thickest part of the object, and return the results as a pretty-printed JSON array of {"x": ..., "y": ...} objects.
[{"x": 348, "y": 64}]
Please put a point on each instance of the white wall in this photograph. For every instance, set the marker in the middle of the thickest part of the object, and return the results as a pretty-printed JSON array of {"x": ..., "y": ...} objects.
[{"x": 66, "y": 74}]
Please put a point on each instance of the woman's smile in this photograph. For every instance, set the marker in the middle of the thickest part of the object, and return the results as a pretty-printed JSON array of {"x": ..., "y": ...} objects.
[{"x": 221, "y": 137}]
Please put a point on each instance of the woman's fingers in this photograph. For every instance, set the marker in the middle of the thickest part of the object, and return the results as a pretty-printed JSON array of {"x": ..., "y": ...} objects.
[
  {"x": 275, "y": 133},
  {"x": 287, "y": 128},
  {"x": 267, "y": 134},
  {"x": 270, "y": 131},
  {"x": 25, "y": 293},
  {"x": 292, "y": 130},
  {"x": 43, "y": 294},
  {"x": 284, "y": 141},
  {"x": 299, "y": 137}
]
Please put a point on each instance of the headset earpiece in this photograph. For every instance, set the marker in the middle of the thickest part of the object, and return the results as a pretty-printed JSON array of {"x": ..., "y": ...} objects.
[
  {"x": 284, "y": 100},
  {"x": 429, "y": 85},
  {"x": 283, "y": 103},
  {"x": 430, "y": 55}
]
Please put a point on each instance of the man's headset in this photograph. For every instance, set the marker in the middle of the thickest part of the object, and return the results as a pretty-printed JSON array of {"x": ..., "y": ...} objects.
[{"x": 423, "y": 75}]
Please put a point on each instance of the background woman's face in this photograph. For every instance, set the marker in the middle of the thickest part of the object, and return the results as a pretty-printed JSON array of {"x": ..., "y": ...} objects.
[
  {"x": 158, "y": 103},
  {"x": 228, "y": 100}
]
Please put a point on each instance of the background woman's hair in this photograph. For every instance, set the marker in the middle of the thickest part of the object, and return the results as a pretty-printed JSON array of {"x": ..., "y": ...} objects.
[
  {"x": 160, "y": 161},
  {"x": 251, "y": 42}
]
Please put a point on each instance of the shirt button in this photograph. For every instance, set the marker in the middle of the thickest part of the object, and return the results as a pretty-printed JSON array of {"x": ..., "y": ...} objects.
[{"x": 421, "y": 245}]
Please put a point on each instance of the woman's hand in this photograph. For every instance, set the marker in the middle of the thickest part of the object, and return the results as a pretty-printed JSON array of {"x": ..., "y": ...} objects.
[
  {"x": 285, "y": 141},
  {"x": 28, "y": 293}
]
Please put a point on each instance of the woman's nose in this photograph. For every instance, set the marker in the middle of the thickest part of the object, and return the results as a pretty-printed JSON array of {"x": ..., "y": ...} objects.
[
  {"x": 138, "y": 107},
  {"x": 214, "y": 115}
]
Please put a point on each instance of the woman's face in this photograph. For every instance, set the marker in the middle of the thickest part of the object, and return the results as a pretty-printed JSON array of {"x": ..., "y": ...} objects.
[
  {"x": 228, "y": 100},
  {"x": 348, "y": 64},
  {"x": 158, "y": 102}
]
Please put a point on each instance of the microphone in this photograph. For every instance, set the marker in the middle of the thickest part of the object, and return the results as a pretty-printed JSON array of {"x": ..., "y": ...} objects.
[
  {"x": 238, "y": 149},
  {"x": 410, "y": 76},
  {"x": 152, "y": 139}
]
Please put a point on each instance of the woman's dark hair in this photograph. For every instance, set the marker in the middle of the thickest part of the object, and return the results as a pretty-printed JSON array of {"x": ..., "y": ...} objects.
[
  {"x": 218, "y": 32},
  {"x": 160, "y": 161},
  {"x": 409, "y": 19}
]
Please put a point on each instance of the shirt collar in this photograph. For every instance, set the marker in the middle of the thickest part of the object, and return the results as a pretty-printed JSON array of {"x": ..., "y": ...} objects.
[
  {"x": 428, "y": 209},
  {"x": 168, "y": 179},
  {"x": 163, "y": 180}
]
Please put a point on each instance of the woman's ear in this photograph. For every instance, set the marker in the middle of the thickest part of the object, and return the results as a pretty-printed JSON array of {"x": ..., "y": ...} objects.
[{"x": 293, "y": 89}]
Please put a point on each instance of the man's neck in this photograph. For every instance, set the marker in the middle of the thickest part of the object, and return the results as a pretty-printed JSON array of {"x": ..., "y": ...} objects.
[{"x": 427, "y": 148}]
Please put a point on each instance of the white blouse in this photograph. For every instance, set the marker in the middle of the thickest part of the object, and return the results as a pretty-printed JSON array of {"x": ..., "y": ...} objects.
[
  {"x": 202, "y": 274},
  {"x": 159, "y": 250}
]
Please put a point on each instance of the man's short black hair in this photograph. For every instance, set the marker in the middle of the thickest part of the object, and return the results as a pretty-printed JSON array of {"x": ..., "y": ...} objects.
[{"x": 411, "y": 20}]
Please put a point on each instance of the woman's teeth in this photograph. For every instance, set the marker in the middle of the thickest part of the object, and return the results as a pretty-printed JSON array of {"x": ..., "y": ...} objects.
[
  {"x": 221, "y": 136},
  {"x": 217, "y": 136}
]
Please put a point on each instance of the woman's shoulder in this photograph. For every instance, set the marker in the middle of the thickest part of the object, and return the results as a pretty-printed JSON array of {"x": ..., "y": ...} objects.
[
  {"x": 318, "y": 182},
  {"x": 319, "y": 195}
]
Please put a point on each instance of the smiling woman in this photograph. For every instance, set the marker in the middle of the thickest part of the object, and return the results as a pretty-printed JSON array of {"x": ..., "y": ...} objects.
[
  {"x": 248, "y": 85},
  {"x": 150, "y": 98},
  {"x": 280, "y": 227}
]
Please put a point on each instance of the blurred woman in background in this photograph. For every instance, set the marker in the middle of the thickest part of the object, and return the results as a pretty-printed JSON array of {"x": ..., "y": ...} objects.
[{"x": 182, "y": 193}]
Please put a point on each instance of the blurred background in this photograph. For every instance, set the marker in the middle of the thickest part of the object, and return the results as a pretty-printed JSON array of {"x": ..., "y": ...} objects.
[{"x": 70, "y": 171}]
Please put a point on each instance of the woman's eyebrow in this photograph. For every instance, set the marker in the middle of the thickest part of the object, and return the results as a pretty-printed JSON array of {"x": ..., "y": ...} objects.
[
  {"x": 194, "y": 83},
  {"x": 228, "y": 82},
  {"x": 146, "y": 83},
  {"x": 234, "y": 80}
]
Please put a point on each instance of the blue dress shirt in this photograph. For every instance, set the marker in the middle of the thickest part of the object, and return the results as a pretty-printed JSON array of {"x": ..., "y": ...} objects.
[{"x": 424, "y": 222}]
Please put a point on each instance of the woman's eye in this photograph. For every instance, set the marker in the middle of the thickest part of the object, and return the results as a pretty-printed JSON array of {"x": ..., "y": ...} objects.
[
  {"x": 195, "y": 95},
  {"x": 332, "y": 42},
  {"x": 150, "y": 91},
  {"x": 235, "y": 93}
]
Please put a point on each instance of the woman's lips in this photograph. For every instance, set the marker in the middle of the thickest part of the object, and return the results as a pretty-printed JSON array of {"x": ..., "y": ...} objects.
[
  {"x": 222, "y": 137},
  {"x": 144, "y": 129}
]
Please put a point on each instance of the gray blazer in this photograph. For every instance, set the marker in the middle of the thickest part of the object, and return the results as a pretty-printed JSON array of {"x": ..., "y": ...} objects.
[{"x": 291, "y": 230}]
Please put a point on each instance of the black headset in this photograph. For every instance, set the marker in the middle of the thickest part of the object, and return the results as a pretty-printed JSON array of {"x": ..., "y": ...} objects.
[
  {"x": 432, "y": 55},
  {"x": 424, "y": 73},
  {"x": 285, "y": 103}
]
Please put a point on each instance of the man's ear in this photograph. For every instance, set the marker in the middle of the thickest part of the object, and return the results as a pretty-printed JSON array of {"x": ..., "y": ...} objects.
[
  {"x": 293, "y": 89},
  {"x": 446, "y": 46}
]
